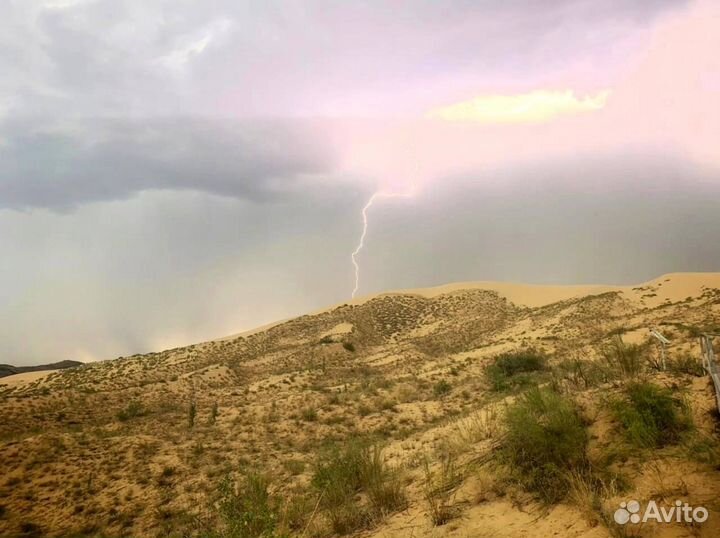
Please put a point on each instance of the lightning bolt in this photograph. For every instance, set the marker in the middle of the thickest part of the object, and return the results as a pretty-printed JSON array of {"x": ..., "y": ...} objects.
[{"x": 361, "y": 243}]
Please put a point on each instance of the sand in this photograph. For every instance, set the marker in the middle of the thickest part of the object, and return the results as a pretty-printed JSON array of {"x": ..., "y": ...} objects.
[{"x": 24, "y": 378}]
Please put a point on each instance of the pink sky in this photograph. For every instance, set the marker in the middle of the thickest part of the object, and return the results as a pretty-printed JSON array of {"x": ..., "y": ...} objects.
[{"x": 664, "y": 99}]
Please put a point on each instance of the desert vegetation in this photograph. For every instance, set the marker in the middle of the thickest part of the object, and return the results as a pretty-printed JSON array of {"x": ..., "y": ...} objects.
[{"x": 400, "y": 416}]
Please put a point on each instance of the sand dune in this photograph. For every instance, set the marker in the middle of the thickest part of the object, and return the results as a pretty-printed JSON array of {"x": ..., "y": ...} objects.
[
  {"x": 17, "y": 380},
  {"x": 672, "y": 286},
  {"x": 153, "y": 437}
]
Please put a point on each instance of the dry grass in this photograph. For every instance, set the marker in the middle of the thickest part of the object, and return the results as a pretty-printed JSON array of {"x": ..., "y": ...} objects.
[{"x": 106, "y": 449}]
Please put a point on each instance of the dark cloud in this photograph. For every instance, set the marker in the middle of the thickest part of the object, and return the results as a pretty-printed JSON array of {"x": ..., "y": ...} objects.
[{"x": 62, "y": 165}]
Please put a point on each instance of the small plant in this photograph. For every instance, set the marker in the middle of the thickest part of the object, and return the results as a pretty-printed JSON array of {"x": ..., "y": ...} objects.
[
  {"x": 440, "y": 488},
  {"x": 294, "y": 467},
  {"x": 386, "y": 405},
  {"x": 705, "y": 449},
  {"x": 165, "y": 477},
  {"x": 309, "y": 414},
  {"x": 132, "y": 410},
  {"x": 192, "y": 412},
  {"x": 651, "y": 416},
  {"x": 623, "y": 360},
  {"x": 479, "y": 426},
  {"x": 441, "y": 388},
  {"x": 214, "y": 413},
  {"x": 686, "y": 364},
  {"x": 545, "y": 439},
  {"x": 341, "y": 474},
  {"x": 511, "y": 369},
  {"x": 248, "y": 511},
  {"x": 582, "y": 374}
]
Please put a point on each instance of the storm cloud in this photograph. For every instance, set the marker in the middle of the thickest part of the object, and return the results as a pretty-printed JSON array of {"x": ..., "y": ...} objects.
[{"x": 62, "y": 165}]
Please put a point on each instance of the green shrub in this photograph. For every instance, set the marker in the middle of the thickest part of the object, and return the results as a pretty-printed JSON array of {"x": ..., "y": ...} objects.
[
  {"x": 441, "y": 388},
  {"x": 545, "y": 439},
  {"x": 341, "y": 474},
  {"x": 512, "y": 369},
  {"x": 249, "y": 511},
  {"x": 651, "y": 416}
]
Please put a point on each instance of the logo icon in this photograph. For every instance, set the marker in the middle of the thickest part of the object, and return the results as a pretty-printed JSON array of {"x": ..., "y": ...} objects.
[{"x": 628, "y": 512}]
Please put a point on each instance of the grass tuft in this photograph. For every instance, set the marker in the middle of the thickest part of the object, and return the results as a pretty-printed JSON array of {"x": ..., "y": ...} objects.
[
  {"x": 545, "y": 439},
  {"x": 651, "y": 416},
  {"x": 341, "y": 474}
]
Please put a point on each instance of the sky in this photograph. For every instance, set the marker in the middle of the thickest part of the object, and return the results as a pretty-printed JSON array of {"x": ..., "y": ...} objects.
[{"x": 172, "y": 172}]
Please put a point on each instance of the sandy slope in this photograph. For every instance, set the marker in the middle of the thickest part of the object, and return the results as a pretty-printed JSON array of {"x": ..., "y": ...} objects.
[
  {"x": 24, "y": 378},
  {"x": 672, "y": 286},
  {"x": 77, "y": 456}
]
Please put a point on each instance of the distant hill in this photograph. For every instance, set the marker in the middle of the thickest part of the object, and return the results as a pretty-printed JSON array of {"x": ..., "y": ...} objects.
[{"x": 8, "y": 369}]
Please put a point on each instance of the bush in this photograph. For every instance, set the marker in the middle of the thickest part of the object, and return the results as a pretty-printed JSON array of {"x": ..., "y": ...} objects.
[
  {"x": 341, "y": 474},
  {"x": 441, "y": 388},
  {"x": 582, "y": 373},
  {"x": 309, "y": 414},
  {"x": 545, "y": 439},
  {"x": 134, "y": 409},
  {"x": 686, "y": 364},
  {"x": 249, "y": 511},
  {"x": 510, "y": 369},
  {"x": 624, "y": 360},
  {"x": 651, "y": 416}
]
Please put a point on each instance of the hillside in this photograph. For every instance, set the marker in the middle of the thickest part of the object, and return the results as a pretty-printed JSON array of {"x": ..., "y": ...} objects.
[
  {"x": 8, "y": 369},
  {"x": 157, "y": 444}
]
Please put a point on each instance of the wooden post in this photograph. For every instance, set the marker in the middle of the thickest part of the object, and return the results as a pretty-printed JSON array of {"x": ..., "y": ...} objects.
[{"x": 710, "y": 363}]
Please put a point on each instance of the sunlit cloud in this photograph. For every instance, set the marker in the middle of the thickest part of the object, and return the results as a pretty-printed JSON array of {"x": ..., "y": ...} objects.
[{"x": 534, "y": 107}]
